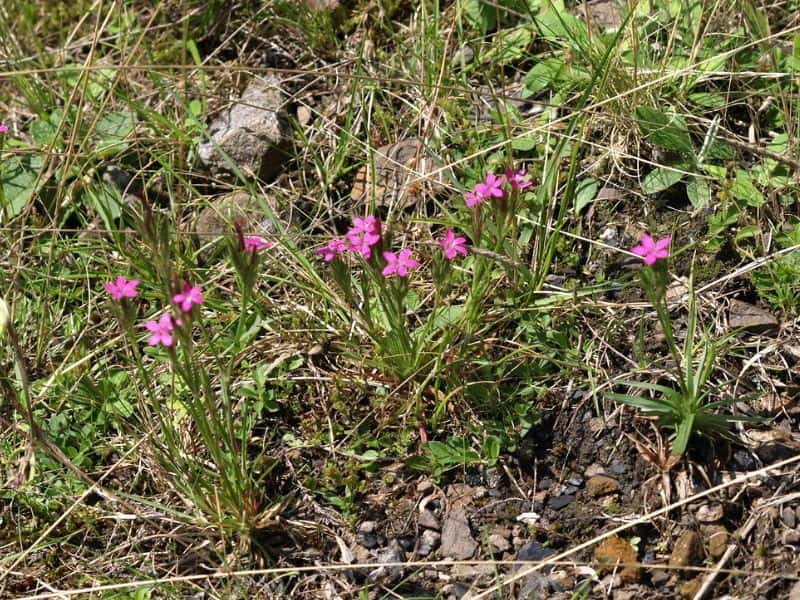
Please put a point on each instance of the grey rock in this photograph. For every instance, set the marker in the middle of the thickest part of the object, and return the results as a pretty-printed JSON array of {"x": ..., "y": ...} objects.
[
  {"x": 254, "y": 214},
  {"x": 498, "y": 543},
  {"x": 425, "y": 486},
  {"x": 788, "y": 517},
  {"x": 252, "y": 132},
  {"x": 367, "y": 535},
  {"x": 457, "y": 540},
  {"x": 428, "y": 542},
  {"x": 367, "y": 527},
  {"x": 536, "y": 587},
  {"x": 428, "y": 520},
  {"x": 559, "y": 502},
  {"x": 393, "y": 553},
  {"x": 534, "y": 551},
  {"x": 617, "y": 467}
]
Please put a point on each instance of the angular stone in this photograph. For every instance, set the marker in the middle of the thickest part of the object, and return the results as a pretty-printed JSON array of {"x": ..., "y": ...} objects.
[
  {"x": 252, "y": 132},
  {"x": 428, "y": 520},
  {"x": 689, "y": 589},
  {"x": 750, "y": 317},
  {"x": 457, "y": 540},
  {"x": 614, "y": 551},
  {"x": 600, "y": 485},
  {"x": 559, "y": 502},
  {"x": 717, "y": 539},
  {"x": 399, "y": 175},
  {"x": 688, "y": 550},
  {"x": 428, "y": 542},
  {"x": 710, "y": 513},
  {"x": 498, "y": 543},
  {"x": 217, "y": 219}
]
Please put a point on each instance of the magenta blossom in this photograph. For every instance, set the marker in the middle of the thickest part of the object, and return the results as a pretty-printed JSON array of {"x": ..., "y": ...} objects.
[
  {"x": 333, "y": 249},
  {"x": 363, "y": 235},
  {"x": 369, "y": 224},
  {"x": 650, "y": 250},
  {"x": 122, "y": 288},
  {"x": 188, "y": 297},
  {"x": 398, "y": 264},
  {"x": 473, "y": 199},
  {"x": 255, "y": 243},
  {"x": 161, "y": 331},
  {"x": 3, "y": 129},
  {"x": 452, "y": 245},
  {"x": 516, "y": 181},
  {"x": 491, "y": 187}
]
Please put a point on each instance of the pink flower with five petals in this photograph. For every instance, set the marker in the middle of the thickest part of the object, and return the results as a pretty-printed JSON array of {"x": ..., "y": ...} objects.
[
  {"x": 516, "y": 181},
  {"x": 161, "y": 331},
  {"x": 452, "y": 245},
  {"x": 188, "y": 297},
  {"x": 398, "y": 264},
  {"x": 122, "y": 288},
  {"x": 650, "y": 250},
  {"x": 333, "y": 249},
  {"x": 491, "y": 187}
]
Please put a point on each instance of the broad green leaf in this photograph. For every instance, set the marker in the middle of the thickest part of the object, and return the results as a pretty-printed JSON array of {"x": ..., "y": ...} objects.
[
  {"x": 491, "y": 449},
  {"x": 660, "y": 179},
  {"x": 18, "y": 177},
  {"x": 543, "y": 75},
  {"x": 708, "y": 100},
  {"x": 479, "y": 14},
  {"x": 666, "y": 131},
  {"x": 745, "y": 190},
  {"x": 112, "y": 129},
  {"x": 509, "y": 46},
  {"x": 524, "y": 144},
  {"x": 698, "y": 191},
  {"x": 43, "y": 132},
  {"x": 585, "y": 193}
]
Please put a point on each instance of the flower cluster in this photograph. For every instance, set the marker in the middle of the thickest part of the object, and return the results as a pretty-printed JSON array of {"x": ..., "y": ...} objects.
[
  {"x": 162, "y": 330},
  {"x": 492, "y": 186},
  {"x": 366, "y": 233}
]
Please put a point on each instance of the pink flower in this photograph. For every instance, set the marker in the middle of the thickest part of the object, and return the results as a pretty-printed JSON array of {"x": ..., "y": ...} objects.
[
  {"x": 161, "y": 331},
  {"x": 491, "y": 187},
  {"x": 255, "y": 243},
  {"x": 473, "y": 199},
  {"x": 363, "y": 235},
  {"x": 333, "y": 249},
  {"x": 368, "y": 224},
  {"x": 650, "y": 250},
  {"x": 3, "y": 129},
  {"x": 188, "y": 297},
  {"x": 122, "y": 288},
  {"x": 516, "y": 181},
  {"x": 452, "y": 245},
  {"x": 398, "y": 264}
]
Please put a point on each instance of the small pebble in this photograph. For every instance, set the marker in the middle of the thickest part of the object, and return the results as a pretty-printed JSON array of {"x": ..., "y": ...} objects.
[
  {"x": 559, "y": 502},
  {"x": 788, "y": 517}
]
